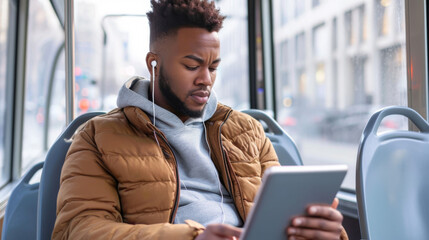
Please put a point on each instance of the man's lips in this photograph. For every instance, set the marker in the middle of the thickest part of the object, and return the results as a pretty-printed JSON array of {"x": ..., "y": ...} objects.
[{"x": 200, "y": 96}]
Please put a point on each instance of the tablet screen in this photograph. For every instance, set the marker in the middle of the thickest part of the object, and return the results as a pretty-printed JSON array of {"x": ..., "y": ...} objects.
[{"x": 286, "y": 191}]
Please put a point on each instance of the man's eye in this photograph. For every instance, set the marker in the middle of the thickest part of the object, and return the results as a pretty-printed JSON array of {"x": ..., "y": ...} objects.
[
  {"x": 212, "y": 69},
  {"x": 191, "y": 68}
]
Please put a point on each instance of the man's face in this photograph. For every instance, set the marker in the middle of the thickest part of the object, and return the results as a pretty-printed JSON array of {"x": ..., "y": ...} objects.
[
  {"x": 189, "y": 60},
  {"x": 173, "y": 100}
]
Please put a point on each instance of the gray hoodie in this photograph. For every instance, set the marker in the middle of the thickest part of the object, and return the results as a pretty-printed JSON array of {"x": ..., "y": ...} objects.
[{"x": 203, "y": 198}]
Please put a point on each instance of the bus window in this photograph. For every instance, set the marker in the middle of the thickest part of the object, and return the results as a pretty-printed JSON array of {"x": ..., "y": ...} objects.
[
  {"x": 112, "y": 39},
  {"x": 45, "y": 36},
  {"x": 334, "y": 69},
  {"x": 4, "y": 28},
  {"x": 232, "y": 81},
  {"x": 57, "y": 105}
]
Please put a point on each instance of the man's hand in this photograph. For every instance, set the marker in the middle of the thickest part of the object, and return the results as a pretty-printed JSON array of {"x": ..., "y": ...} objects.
[
  {"x": 220, "y": 231},
  {"x": 321, "y": 222}
]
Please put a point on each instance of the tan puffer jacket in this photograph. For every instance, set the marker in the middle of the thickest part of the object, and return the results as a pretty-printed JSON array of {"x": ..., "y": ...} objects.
[{"x": 117, "y": 183}]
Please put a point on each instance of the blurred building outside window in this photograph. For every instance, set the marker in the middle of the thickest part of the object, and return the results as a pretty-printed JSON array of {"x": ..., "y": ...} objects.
[{"x": 349, "y": 62}]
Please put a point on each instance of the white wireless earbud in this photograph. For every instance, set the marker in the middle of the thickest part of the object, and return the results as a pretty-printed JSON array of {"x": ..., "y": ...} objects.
[{"x": 153, "y": 63}]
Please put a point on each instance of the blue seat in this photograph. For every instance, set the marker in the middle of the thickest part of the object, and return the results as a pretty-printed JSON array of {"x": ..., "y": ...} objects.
[
  {"x": 50, "y": 180},
  {"x": 392, "y": 181},
  {"x": 20, "y": 216},
  {"x": 284, "y": 145}
]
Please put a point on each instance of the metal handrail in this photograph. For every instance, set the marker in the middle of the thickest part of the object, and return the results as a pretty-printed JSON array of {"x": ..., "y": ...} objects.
[
  {"x": 69, "y": 57},
  {"x": 104, "y": 54},
  {"x": 49, "y": 97}
]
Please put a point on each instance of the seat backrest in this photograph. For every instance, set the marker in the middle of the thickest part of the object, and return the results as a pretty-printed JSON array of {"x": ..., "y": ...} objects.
[
  {"x": 284, "y": 145},
  {"x": 50, "y": 180},
  {"x": 21, "y": 210},
  {"x": 392, "y": 181}
]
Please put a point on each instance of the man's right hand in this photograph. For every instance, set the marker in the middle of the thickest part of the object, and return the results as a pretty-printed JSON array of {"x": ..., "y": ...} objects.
[{"x": 220, "y": 231}]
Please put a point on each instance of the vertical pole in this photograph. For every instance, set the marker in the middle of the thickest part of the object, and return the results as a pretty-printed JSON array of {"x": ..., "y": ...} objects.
[
  {"x": 69, "y": 55},
  {"x": 252, "y": 52},
  {"x": 417, "y": 57},
  {"x": 19, "y": 94},
  {"x": 268, "y": 56}
]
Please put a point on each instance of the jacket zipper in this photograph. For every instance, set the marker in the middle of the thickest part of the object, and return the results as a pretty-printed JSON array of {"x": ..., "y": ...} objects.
[
  {"x": 227, "y": 164},
  {"x": 228, "y": 176},
  {"x": 176, "y": 200}
]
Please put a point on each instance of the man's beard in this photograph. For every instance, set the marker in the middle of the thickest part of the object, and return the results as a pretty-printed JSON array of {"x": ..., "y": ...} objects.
[{"x": 178, "y": 105}]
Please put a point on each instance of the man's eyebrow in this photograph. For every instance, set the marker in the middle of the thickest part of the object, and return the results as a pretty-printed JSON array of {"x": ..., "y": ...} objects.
[{"x": 200, "y": 60}]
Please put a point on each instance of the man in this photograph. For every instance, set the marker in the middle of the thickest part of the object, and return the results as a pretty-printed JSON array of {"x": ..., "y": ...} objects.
[{"x": 186, "y": 167}]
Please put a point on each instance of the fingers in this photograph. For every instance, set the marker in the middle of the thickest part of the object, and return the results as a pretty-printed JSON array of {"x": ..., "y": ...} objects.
[
  {"x": 335, "y": 203},
  {"x": 317, "y": 223},
  {"x": 325, "y": 212},
  {"x": 322, "y": 222},
  {"x": 303, "y": 233},
  {"x": 224, "y": 230},
  {"x": 296, "y": 238}
]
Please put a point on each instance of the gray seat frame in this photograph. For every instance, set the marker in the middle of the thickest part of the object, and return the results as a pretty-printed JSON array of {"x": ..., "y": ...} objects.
[
  {"x": 392, "y": 181},
  {"x": 285, "y": 146}
]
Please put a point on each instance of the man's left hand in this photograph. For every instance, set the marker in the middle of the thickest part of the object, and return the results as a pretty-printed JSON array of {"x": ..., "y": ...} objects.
[{"x": 321, "y": 222}]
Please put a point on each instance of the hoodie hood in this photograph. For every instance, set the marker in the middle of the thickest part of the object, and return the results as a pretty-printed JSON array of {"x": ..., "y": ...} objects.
[{"x": 135, "y": 92}]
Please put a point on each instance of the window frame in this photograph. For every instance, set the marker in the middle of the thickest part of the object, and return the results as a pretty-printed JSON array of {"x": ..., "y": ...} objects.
[
  {"x": 11, "y": 71},
  {"x": 10, "y": 75},
  {"x": 416, "y": 27},
  {"x": 19, "y": 84}
]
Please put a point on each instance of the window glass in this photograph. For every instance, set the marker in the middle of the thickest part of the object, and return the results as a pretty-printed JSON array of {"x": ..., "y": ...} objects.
[
  {"x": 4, "y": 27},
  {"x": 232, "y": 81},
  {"x": 340, "y": 68},
  {"x": 45, "y": 35},
  {"x": 112, "y": 39},
  {"x": 56, "y": 115},
  {"x": 315, "y": 3},
  {"x": 299, "y": 8},
  {"x": 103, "y": 64}
]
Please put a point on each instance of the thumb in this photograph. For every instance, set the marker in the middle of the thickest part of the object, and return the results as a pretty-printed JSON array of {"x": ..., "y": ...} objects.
[{"x": 335, "y": 203}]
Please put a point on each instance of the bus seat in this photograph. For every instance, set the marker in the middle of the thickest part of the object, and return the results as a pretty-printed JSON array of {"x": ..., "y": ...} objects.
[
  {"x": 50, "y": 180},
  {"x": 284, "y": 145},
  {"x": 392, "y": 181},
  {"x": 20, "y": 216}
]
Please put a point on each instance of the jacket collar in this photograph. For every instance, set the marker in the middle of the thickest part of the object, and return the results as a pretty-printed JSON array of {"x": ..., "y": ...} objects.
[
  {"x": 221, "y": 114},
  {"x": 140, "y": 120}
]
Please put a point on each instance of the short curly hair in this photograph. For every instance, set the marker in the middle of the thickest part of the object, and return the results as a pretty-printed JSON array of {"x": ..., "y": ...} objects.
[{"x": 167, "y": 16}]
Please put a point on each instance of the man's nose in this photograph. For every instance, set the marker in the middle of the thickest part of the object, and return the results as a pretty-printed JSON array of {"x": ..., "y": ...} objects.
[{"x": 204, "y": 77}]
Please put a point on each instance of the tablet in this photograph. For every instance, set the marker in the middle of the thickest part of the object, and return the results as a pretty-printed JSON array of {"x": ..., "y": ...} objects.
[{"x": 285, "y": 192}]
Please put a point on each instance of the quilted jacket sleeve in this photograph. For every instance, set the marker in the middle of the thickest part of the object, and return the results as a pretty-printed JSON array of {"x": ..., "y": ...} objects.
[{"x": 88, "y": 206}]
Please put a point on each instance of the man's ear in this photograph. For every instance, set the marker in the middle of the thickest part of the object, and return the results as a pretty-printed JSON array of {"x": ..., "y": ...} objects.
[{"x": 150, "y": 58}]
